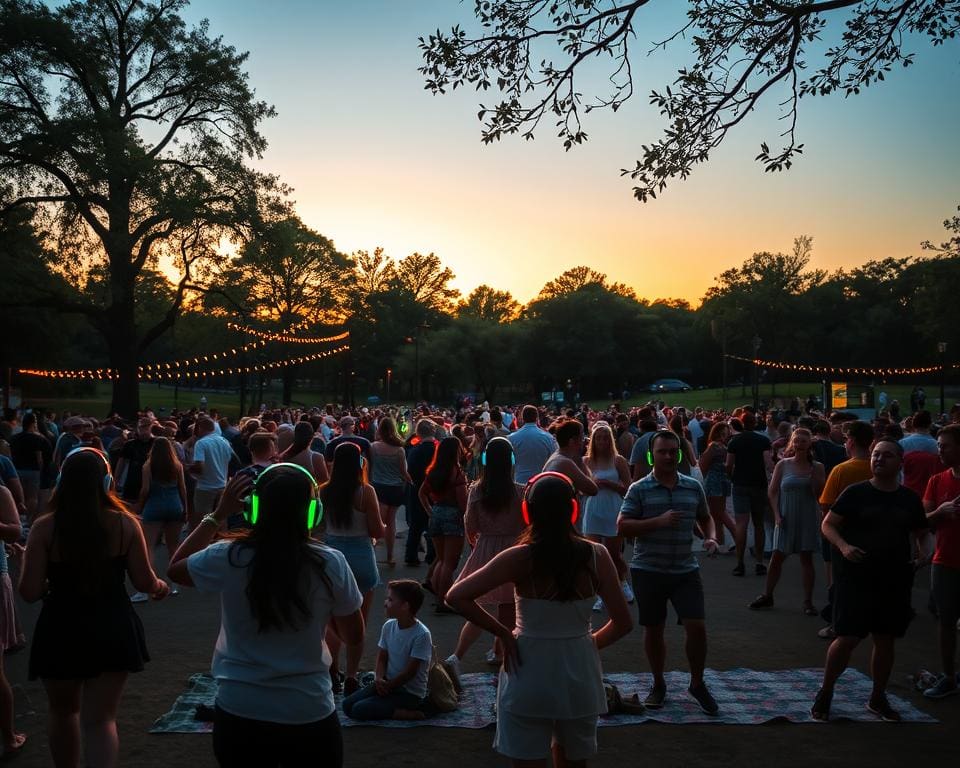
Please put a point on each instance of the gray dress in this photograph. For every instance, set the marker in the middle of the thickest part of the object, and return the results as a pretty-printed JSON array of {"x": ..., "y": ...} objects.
[{"x": 799, "y": 529}]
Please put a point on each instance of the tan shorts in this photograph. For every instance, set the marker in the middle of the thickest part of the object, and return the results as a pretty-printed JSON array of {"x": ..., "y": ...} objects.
[
  {"x": 204, "y": 502},
  {"x": 530, "y": 738}
]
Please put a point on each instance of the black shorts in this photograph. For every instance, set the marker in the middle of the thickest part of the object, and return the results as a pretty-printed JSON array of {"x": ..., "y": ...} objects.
[
  {"x": 391, "y": 495},
  {"x": 863, "y": 607},
  {"x": 239, "y": 742},
  {"x": 653, "y": 590}
]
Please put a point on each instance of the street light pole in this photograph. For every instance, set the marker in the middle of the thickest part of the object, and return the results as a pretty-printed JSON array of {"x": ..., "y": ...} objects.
[
  {"x": 389, "y": 376},
  {"x": 942, "y": 349}
]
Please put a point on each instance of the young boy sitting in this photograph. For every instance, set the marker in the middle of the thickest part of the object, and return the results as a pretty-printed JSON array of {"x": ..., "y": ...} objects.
[{"x": 403, "y": 661}]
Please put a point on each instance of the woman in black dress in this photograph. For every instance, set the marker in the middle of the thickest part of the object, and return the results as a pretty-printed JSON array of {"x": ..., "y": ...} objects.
[{"x": 88, "y": 636}]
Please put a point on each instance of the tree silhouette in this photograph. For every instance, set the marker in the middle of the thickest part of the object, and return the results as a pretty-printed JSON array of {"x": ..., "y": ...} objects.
[
  {"x": 745, "y": 51},
  {"x": 127, "y": 133}
]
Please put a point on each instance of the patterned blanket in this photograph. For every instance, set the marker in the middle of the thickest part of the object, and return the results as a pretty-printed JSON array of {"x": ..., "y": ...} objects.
[{"x": 745, "y": 696}]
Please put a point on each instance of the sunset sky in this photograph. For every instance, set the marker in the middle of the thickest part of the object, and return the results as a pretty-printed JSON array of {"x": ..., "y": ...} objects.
[{"x": 375, "y": 160}]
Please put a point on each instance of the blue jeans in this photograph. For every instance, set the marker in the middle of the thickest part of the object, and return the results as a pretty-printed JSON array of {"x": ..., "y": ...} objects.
[{"x": 365, "y": 704}]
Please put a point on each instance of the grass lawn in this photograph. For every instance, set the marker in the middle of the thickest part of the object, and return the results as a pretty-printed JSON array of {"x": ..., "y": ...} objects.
[{"x": 155, "y": 396}]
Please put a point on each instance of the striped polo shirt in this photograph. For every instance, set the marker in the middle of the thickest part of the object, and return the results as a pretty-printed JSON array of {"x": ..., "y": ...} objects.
[{"x": 665, "y": 550}]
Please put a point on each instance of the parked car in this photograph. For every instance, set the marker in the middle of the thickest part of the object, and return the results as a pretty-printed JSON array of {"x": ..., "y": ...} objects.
[{"x": 670, "y": 385}]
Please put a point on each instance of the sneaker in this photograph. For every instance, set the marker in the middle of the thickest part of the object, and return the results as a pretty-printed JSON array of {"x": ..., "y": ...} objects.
[
  {"x": 174, "y": 591},
  {"x": 827, "y": 633},
  {"x": 739, "y": 570},
  {"x": 336, "y": 682},
  {"x": 598, "y": 606},
  {"x": 760, "y": 569},
  {"x": 702, "y": 696},
  {"x": 760, "y": 602},
  {"x": 628, "y": 592},
  {"x": 882, "y": 709},
  {"x": 139, "y": 597},
  {"x": 656, "y": 697},
  {"x": 492, "y": 659},
  {"x": 821, "y": 706},
  {"x": 942, "y": 688},
  {"x": 452, "y": 665}
]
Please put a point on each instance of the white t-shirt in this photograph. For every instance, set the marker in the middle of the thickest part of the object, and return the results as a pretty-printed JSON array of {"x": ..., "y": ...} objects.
[
  {"x": 215, "y": 453},
  {"x": 402, "y": 645},
  {"x": 277, "y": 676}
]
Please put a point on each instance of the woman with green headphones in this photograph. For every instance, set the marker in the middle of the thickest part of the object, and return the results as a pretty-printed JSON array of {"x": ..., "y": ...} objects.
[{"x": 280, "y": 590}]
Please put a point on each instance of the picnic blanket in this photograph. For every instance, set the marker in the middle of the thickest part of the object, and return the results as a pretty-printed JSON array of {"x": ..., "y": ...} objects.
[{"x": 745, "y": 696}]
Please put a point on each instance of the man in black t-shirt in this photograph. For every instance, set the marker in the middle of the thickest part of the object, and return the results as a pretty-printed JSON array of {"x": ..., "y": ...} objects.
[
  {"x": 870, "y": 525},
  {"x": 749, "y": 456}
]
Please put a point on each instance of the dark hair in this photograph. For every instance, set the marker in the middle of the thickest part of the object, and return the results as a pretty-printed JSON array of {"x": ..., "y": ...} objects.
[
  {"x": 495, "y": 488},
  {"x": 557, "y": 552},
  {"x": 861, "y": 433},
  {"x": 260, "y": 440},
  {"x": 749, "y": 421},
  {"x": 29, "y": 420},
  {"x": 278, "y": 585},
  {"x": 409, "y": 592},
  {"x": 82, "y": 513},
  {"x": 952, "y": 431},
  {"x": 387, "y": 432},
  {"x": 922, "y": 420},
  {"x": 716, "y": 429},
  {"x": 164, "y": 464},
  {"x": 664, "y": 434},
  {"x": 303, "y": 434},
  {"x": 821, "y": 427},
  {"x": 345, "y": 477},
  {"x": 529, "y": 414},
  {"x": 893, "y": 431},
  {"x": 446, "y": 460},
  {"x": 567, "y": 430}
]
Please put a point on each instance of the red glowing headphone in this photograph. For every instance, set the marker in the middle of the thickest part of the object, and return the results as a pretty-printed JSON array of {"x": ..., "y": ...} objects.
[{"x": 574, "y": 505}]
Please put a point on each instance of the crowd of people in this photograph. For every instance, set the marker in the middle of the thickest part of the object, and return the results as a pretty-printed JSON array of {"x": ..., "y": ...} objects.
[{"x": 568, "y": 517}]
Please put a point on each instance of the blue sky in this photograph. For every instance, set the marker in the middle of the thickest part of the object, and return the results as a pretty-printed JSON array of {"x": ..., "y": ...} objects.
[{"x": 375, "y": 160}]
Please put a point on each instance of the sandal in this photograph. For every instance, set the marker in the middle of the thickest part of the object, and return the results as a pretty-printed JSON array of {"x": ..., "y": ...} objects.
[
  {"x": 809, "y": 610},
  {"x": 821, "y": 706}
]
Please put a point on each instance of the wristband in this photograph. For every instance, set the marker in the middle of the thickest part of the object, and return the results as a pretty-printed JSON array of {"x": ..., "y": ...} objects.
[{"x": 210, "y": 520}]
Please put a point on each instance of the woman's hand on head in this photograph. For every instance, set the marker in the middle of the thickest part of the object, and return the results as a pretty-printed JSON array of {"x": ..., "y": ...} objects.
[{"x": 232, "y": 498}]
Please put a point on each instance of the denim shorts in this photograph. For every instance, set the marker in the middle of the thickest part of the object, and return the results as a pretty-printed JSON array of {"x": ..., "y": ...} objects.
[
  {"x": 359, "y": 554},
  {"x": 445, "y": 521}
]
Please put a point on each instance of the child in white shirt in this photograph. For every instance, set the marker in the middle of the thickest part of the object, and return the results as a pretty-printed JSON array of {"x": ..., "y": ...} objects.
[{"x": 403, "y": 661}]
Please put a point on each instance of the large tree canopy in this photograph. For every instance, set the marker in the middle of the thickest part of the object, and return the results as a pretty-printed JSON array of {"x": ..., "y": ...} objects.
[
  {"x": 532, "y": 52},
  {"x": 127, "y": 132}
]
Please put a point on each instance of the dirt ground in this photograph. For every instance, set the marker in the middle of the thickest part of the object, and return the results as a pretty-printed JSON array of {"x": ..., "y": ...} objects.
[{"x": 181, "y": 632}]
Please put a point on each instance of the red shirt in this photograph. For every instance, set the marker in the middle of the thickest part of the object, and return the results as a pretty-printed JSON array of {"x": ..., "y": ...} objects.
[{"x": 945, "y": 487}]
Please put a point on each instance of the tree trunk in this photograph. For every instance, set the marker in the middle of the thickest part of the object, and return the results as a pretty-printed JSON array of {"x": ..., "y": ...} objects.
[
  {"x": 289, "y": 375},
  {"x": 121, "y": 337}
]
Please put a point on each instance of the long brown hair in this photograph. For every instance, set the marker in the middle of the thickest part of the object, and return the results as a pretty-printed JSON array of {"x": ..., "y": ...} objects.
[
  {"x": 278, "y": 586},
  {"x": 164, "y": 464},
  {"x": 85, "y": 514},
  {"x": 558, "y": 554},
  {"x": 387, "y": 432}
]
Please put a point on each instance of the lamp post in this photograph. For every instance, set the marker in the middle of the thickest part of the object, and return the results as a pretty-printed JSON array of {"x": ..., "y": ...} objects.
[
  {"x": 389, "y": 376},
  {"x": 942, "y": 349},
  {"x": 756, "y": 372},
  {"x": 417, "y": 384}
]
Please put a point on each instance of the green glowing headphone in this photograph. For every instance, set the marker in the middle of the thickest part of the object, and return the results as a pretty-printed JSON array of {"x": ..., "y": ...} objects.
[
  {"x": 650, "y": 448},
  {"x": 251, "y": 510}
]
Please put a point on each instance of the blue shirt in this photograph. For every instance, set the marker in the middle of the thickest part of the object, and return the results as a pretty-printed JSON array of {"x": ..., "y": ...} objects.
[
  {"x": 665, "y": 550},
  {"x": 7, "y": 470},
  {"x": 532, "y": 447}
]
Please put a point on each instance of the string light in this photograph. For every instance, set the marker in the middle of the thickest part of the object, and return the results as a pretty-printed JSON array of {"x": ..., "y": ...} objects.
[
  {"x": 106, "y": 374},
  {"x": 286, "y": 336},
  {"x": 845, "y": 370}
]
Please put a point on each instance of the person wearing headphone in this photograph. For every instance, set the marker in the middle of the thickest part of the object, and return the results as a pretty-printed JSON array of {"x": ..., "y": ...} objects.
[
  {"x": 280, "y": 589},
  {"x": 661, "y": 510},
  {"x": 492, "y": 524},
  {"x": 88, "y": 636},
  {"x": 550, "y": 691}
]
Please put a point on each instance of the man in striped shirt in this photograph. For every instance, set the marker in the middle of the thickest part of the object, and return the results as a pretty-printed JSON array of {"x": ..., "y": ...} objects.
[{"x": 661, "y": 510}]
